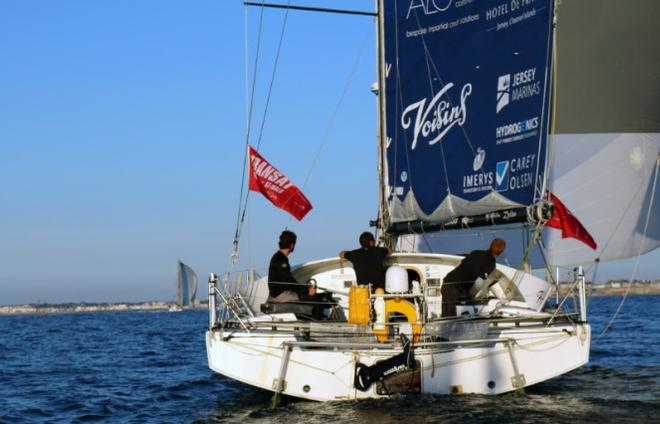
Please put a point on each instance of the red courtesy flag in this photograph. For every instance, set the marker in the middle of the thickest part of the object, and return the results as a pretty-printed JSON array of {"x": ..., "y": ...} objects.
[
  {"x": 277, "y": 188},
  {"x": 569, "y": 225}
]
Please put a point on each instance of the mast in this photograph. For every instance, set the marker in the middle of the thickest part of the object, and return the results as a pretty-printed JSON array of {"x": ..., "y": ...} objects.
[{"x": 383, "y": 213}]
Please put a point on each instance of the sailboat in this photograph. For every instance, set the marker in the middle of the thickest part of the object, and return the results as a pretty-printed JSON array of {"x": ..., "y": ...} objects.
[
  {"x": 186, "y": 288},
  {"x": 467, "y": 100}
]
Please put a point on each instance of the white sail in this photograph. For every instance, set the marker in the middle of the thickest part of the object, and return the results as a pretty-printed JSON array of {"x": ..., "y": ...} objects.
[
  {"x": 186, "y": 285},
  {"x": 606, "y": 180},
  {"x": 608, "y": 128},
  {"x": 610, "y": 192},
  {"x": 462, "y": 242}
]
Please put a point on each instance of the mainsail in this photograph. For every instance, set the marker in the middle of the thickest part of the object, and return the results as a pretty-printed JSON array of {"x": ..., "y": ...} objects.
[
  {"x": 605, "y": 151},
  {"x": 186, "y": 285},
  {"x": 467, "y": 89}
]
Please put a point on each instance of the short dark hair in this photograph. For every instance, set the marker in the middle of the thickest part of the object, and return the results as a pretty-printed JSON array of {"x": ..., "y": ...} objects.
[
  {"x": 287, "y": 239},
  {"x": 366, "y": 238}
]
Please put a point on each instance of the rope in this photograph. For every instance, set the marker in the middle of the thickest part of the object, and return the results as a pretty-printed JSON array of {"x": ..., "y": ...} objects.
[
  {"x": 431, "y": 62},
  {"x": 333, "y": 117},
  {"x": 551, "y": 44},
  {"x": 243, "y": 205},
  {"x": 250, "y": 102},
  {"x": 272, "y": 78},
  {"x": 639, "y": 253}
]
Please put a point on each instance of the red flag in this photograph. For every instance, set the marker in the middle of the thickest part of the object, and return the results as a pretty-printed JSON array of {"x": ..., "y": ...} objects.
[
  {"x": 277, "y": 188},
  {"x": 569, "y": 225}
]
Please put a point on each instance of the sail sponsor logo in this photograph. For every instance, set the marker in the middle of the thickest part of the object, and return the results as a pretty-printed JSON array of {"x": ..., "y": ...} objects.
[
  {"x": 501, "y": 11},
  {"x": 428, "y": 7},
  {"x": 479, "y": 159},
  {"x": 515, "y": 174},
  {"x": 502, "y": 176},
  {"x": 517, "y": 86},
  {"x": 274, "y": 179},
  {"x": 503, "y": 88},
  {"x": 516, "y": 131},
  {"x": 432, "y": 121},
  {"x": 479, "y": 180}
]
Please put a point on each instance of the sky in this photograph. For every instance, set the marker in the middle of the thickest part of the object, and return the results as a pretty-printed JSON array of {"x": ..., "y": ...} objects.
[{"x": 122, "y": 134}]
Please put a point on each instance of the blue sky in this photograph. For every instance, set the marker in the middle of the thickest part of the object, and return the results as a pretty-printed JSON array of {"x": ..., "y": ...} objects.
[{"x": 122, "y": 127}]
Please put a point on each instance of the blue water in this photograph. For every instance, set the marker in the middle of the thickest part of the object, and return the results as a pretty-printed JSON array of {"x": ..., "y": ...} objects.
[{"x": 151, "y": 367}]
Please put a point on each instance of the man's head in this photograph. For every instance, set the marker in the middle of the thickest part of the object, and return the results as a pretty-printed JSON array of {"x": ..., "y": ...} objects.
[
  {"x": 288, "y": 240},
  {"x": 367, "y": 239},
  {"x": 497, "y": 246}
]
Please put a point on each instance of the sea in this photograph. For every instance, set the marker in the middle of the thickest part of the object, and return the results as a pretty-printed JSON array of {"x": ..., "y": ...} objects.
[{"x": 150, "y": 367}]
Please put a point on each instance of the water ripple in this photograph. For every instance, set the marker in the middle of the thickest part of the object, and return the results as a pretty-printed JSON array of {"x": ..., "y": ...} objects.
[{"x": 137, "y": 367}]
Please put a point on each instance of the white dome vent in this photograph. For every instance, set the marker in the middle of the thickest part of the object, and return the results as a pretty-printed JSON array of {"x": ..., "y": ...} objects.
[{"x": 396, "y": 280}]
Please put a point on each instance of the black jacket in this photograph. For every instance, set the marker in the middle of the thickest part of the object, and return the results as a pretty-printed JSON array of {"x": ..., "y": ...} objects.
[
  {"x": 477, "y": 264},
  {"x": 279, "y": 271},
  {"x": 368, "y": 265}
]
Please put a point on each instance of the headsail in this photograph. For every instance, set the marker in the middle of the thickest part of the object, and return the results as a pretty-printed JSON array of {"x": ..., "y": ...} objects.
[
  {"x": 608, "y": 127},
  {"x": 186, "y": 285},
  {"x": 467, "y": 105}
]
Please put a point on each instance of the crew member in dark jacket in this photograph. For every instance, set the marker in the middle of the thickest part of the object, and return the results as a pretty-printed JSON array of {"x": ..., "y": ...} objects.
[
  {"x": 457, "y": 283},
  {"x": 368, "y": 261},
  {"x": 282, "y": 287}
]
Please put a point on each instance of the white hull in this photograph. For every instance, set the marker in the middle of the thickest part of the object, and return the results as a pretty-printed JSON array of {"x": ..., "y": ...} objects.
[
  {"x": 256, "y": 359},
  {"x": 514, "y": 350}
]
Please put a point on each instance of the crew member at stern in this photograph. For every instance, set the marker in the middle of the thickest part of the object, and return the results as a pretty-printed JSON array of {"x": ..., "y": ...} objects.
[
  {"x": 456, "y": 285},
  {"x": 368, "y": 261},
  {"x": 282, "y": 287}
]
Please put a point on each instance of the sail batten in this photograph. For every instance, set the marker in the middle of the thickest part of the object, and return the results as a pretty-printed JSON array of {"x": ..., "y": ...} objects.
[{"x": 467, "y": 89}]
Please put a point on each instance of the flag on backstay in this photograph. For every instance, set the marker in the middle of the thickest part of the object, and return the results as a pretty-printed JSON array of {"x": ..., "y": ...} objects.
[
  {"x": 276, "y": 187},
  {"x": 569, "y": 225}
]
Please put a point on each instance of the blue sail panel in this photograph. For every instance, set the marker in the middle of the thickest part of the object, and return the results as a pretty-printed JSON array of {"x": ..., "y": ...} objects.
[{"x": 467, "y": 94}]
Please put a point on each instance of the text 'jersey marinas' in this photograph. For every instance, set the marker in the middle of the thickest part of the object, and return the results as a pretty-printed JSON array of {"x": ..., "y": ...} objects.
[{"x": 368, "y": 265}]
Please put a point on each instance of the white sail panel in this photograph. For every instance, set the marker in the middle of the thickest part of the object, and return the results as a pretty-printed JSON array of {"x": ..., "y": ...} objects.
[
  {"x": 451, "y": 207},
  {"x": 464, "y": 241},
  {"x": 606, "y": 181},
  {"x": 186, "y": 285}
]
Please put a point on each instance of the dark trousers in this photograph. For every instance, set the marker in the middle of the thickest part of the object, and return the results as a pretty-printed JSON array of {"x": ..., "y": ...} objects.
[
  {"x": 452, "y": 293},
  {"x": 449, "y": 299}
]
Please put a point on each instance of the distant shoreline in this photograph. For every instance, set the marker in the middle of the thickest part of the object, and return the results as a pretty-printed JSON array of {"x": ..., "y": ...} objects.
[
  {"x": 599, "y": 290},
  {"x": 618, "y": 288},
  {"x": 84, "y": 307}
]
